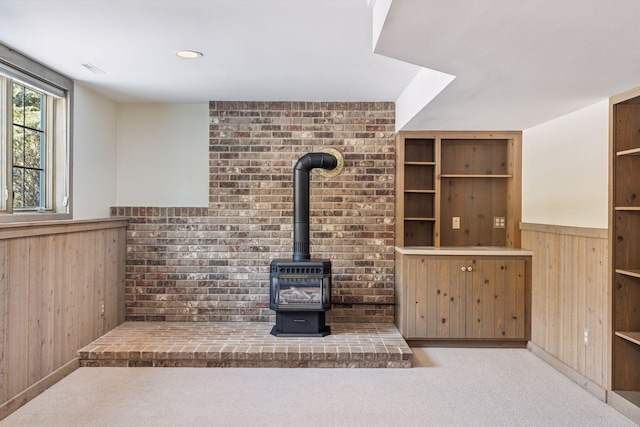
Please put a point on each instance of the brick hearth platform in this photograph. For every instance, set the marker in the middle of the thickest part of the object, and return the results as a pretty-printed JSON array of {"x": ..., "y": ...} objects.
[{"x": 246, "y": 344}]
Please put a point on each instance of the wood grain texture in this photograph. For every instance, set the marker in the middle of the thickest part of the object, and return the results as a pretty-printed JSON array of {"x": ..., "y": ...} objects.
[
  {"x": 4, "y": 306},
  {"x": 624, "y": 209},
  {"x": 476, "y": 201},
  {"x": 460, "y": 298},
  {"x": 627, "y": 123},
  {"x": 471, "y": 175},
  {"x": 569, "y": 294},
  {"x": 51, "y": 288}
]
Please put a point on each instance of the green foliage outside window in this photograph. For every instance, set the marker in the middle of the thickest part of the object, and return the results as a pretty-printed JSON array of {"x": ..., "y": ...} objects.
[{"x": 28, "y": 147}]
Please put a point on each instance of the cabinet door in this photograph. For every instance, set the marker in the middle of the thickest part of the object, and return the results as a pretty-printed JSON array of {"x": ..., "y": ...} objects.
[
  {"x": 458, "y": 298},
  {"x": 442, "y": 308},
  {"x": 495, "y": 299},
  {"x": 434, "y": 298},
  {"x": 413, "y": 316}
]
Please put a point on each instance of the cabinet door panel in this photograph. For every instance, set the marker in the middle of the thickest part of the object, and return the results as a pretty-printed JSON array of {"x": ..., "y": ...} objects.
[
  {"x": 520, "y": 299},
  {"x": 513, "y": 273},
  {"x": 457, "y": 327},
  {"x": 434, "y": 277},
  {"x": 489, "y": 308},
  {"x": 475, "y": 296},
  {"x": 501, "y": 284},
  {"x": 421, "y": 298},
  {"x": 442, "y": 297},
  {"x": 414, "y": 278},
  {"x": 497, "y": 297},
  {"x": 445, "y": 313}
]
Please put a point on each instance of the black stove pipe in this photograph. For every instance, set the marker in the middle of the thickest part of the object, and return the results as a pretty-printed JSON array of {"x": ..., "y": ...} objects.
[{"x": 301, "y": 199}]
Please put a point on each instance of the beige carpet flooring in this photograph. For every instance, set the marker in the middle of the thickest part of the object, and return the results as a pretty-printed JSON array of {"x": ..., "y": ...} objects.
[{"x": 449, "y": 387}]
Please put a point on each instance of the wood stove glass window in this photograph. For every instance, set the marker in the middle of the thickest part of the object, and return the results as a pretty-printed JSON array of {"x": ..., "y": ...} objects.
[{"x": 300, "y": 291}]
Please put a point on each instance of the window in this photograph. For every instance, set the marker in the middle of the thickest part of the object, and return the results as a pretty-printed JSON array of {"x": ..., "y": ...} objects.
[
  {"x": 34, "y": 140},
  {"x": 29, "y": 149}
]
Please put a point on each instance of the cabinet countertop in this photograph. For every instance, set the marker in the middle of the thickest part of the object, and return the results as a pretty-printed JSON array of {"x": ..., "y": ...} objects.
[{"x": 463, "y": 250}]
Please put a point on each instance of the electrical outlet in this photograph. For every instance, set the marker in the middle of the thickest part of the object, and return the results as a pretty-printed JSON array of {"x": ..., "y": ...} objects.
[
  {"x": 455, "y": 224},
  {"x": 586, "y": 336},
  {"x": 101, "y": 308},
  {"x": 499, "y": 222}
]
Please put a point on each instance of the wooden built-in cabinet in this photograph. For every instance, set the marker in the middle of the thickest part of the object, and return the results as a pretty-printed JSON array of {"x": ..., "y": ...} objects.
[
  {"x": 458, "y": 194},
  {"x": 418, "y": 191},
  {"x": 625, "y": 249},
  {"x": 452, "y": 297},
  {"x": 472, "y": 176}
]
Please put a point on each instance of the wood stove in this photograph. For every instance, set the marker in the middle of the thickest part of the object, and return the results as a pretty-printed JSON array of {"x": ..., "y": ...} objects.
[
  {"x": 300, "y": 294},
  {"x": 300, "y": 288}
]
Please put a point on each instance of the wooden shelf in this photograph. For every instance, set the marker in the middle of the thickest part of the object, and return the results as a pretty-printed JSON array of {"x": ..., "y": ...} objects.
[
  {"x": 627, "y": 208},
  {"x": 631, "y": 152},
  {"x": 626, "y": 402},
  {"x": 421, "y": 191},
  {"x": 420, "y": 163},
  {"x": 419, "y": 219},
  {"x": 461, "y": 175},
  {"x": 631, "y": 336},
  {"x": 628, "y": 272},
  {"x": 631, "y": 396}
]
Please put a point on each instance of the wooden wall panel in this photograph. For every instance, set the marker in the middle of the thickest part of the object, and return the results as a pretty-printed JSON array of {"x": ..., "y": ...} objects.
[
  {"x": 17, "y": 316},
  {"x": 459, "y": 197},
  {"x": 569, "y": 295},
  {"x": 4, "y": 302},
  {"x": 53, "y": 279}
]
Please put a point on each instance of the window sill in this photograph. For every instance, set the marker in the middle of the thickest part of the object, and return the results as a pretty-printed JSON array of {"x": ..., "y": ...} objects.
[{"x": 33, "y": 216}]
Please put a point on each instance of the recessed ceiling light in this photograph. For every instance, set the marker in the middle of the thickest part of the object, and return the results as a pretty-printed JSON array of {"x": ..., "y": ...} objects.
[{"x": 189, "y": 54}]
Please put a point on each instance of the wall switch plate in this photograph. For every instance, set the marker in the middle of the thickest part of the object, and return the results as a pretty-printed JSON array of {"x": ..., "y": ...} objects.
[
  {"x": 499, "y": 222},
  {"x": 455, "y": 224},
  {"x": 101, "y": 308},
  {"x": 586, "y": 336}
]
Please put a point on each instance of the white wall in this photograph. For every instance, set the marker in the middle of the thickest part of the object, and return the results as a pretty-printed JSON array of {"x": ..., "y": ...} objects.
[
  {"x": 565, "y": 169},
  {"x": 94, "y": 154},
  {"x": 163, "y": 155},
  {"x": 422, "y": 89}
]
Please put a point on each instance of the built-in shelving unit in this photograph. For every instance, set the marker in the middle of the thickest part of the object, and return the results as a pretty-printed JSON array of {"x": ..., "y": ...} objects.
[
  {"x": 460, "y": 275},
  {"x": 471, "y": 176},
  {"x": 625, "y": 252},
  {"x": 417, "y": 200}
]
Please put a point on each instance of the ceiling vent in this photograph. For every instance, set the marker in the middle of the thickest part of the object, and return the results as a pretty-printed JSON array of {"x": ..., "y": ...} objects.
[{"x": 93, "y": 68}]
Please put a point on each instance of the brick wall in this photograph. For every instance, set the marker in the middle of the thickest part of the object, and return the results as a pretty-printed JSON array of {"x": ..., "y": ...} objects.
[{"x": 199, "y": 264}]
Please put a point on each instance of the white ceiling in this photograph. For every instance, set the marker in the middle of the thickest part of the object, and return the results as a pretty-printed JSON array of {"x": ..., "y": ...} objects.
[
  {"x": 516, "y": 63},
  {"x": 254, "y": 50}
]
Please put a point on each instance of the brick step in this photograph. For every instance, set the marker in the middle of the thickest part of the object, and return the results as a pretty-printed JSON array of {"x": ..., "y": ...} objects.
[{"x": 246, "y": 344}]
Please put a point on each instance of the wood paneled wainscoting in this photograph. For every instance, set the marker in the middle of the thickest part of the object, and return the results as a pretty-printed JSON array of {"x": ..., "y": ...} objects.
[
  {"x": 570, "y": 299},
  {"x": 61, "y": 287}
]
